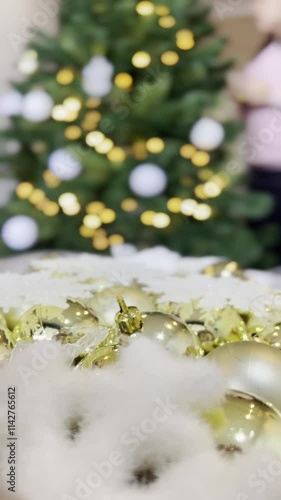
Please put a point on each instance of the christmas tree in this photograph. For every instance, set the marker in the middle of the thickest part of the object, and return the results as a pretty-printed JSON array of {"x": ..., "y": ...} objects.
[{"x": 113, "y": 142}]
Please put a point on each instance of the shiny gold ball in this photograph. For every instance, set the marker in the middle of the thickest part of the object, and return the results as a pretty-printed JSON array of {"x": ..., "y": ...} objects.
[
  {"x": 244, "y": 422},
  {"x": 50, "y": 322},
  {"x": 168, "y": 330},
  {"x": 253, "y": 368}
]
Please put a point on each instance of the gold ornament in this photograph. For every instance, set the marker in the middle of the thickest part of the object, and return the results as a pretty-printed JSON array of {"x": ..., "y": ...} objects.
[
  {"x": 253, "y": 368},
  {"x": 224, "y": 270},
  {"x": 67, "y": 326},
  {"x": 129, "y": 319},
  {"x": 105, "y": 305},
  {"x": 169, "y": 330},
  {"x": 244, "y": 422}
]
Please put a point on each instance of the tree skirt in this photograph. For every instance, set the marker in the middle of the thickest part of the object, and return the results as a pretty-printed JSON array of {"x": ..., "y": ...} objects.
[{"x": 141, "y": 424}]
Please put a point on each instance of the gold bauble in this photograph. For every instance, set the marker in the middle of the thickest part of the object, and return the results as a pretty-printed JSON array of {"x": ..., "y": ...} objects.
[
  {"x": 224, "y": 270},
  {"x": 14, "y": 315},
  {"x": 47, "y": 322},
  {"x": 253, "y": 368},
  {"x": 105, "y": 304},
  {"x": 244, "y": 422},
  {"x": 168, "y": 330}
]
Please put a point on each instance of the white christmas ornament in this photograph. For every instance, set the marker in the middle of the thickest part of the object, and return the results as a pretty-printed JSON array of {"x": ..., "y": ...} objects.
[
  {"x": 37, "y": 106},
  {"x": 64, "y": 165},
  {"x": 207, "y": 134},
  {"x": 97, "y": 77},
  {"x": 20, "y": 232},
  {"x": 11, "y": 103},
  {"x": 148, "y": 180}
]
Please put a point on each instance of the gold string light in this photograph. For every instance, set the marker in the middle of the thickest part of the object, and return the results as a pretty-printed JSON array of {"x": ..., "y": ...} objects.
[
  {"x": 202, "y": 212},
  {"x": 170, "y": 58},
  {"x": 38, "y": 147},
  {"x": 161, "y": 220},
  {"x": 36, "y": 196},
  {"x": 155, "y": 145},
  {"x": 162, "y": 10},
  {"x": 73, "y": 104},
  {"x": 65, "y": 76},
  {"x": 94, "y": 139},
  {"x": 188, "y": 206},
  {"x": 200, "y": 158},
  {"x": 108, "y": 216},
  {"x": 51, "y": 180},
  {"x": 147, "y": 217},
  {"x": 59, "y": 113},
  {"x": 139, "y": 150},
  {"x": 116, "y": 239},
  {"x": 73, "y": 132},
  {"x": 145, "y": 8},
  {"x": 185, "y": 39},
  {"x": 95, "y": 207},
  {"x": 72, "y": 210},
  {"x": 116, "y": 155},
  {"x": 199, "y": 191},
  {"x": 92, "y": 221},
  {"x": 123, "y": 81},
  {"x": 129, "y": 205},
  {"x": 51, "y": 209},
  {"x": 100, "y": 242},
  {"x": 92, "y": 103},
  {"x": 24, "y": 190},
  {"x": 105, "y": 147},
  {"x": 174, "y": 205},
  {"x": 86, "y": 232},
  {"x": 141, "y": 59},
  {"x": 167, "y": 21},
  {"x": 67, "y": 200},
  {"x": 212, "y": 189},
  {"x": 187, "y": 151}
]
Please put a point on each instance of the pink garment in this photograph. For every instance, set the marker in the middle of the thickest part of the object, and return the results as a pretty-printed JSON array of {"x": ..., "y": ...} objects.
[{"x": 263, "y": 124}]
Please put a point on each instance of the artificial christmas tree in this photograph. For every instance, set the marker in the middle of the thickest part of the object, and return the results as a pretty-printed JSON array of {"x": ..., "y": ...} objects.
[{"x": 112, "y": 140}]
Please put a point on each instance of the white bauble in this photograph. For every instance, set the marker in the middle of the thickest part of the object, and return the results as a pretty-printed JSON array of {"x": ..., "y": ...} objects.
[
  {"x": 207, "y": 134},
  {"x": 37, "y": 106},
  {"x": 64, "y": 165},
  {"x": 20, "y": 232},
  {"x": 148, "y": 180},
  {"x": 11, "y": 103},
  {"x": 97, "y": 77}
]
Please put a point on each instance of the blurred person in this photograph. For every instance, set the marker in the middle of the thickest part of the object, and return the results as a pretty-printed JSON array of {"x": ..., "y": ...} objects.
[{"x": 258, "y": 89}]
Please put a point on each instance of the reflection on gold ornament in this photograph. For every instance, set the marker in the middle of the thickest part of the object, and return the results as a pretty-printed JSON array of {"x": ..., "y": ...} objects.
[
  {"x": 253, "y": 368},
  {"x": 224, "y": 270},
  {"x": 168, "y": 330},
  {"x": 244, "y": 422}
]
